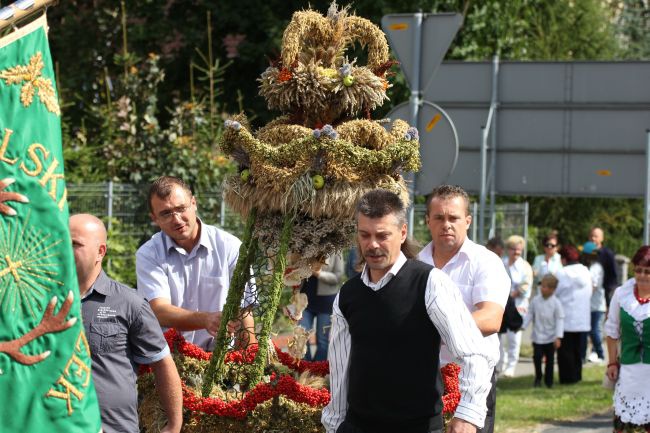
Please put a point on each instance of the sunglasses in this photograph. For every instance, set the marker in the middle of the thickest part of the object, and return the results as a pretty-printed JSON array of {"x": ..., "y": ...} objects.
[
  {"x": 644, "y": 271},
  {"x": 550, "y": 245}
]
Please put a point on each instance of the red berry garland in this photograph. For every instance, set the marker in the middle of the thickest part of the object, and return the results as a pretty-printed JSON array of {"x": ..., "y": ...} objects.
[
  {"x": 284, "y": 385},
  {"x": 318, "y": 368},
  {"x": 451, "y": 397},
  {"x": 177, "y": 343}
]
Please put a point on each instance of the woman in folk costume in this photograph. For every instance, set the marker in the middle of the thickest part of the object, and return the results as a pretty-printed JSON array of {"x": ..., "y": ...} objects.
[{"x": 628, "y": 346}]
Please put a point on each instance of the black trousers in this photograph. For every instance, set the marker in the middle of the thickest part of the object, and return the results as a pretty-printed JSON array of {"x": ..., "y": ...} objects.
[
  {"x": 539, "y": 352},
  {"x": 569, "y": 361}
]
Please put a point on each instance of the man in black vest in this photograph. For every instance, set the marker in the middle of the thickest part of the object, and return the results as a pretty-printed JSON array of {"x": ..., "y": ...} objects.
[{"x": 387, "y": 325}]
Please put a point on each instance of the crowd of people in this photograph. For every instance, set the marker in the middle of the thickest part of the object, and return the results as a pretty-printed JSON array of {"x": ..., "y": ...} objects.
[{"x": 467, "y": 303}]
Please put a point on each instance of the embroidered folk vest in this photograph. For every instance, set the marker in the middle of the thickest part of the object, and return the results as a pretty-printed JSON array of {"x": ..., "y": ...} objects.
[{"x": 635, "y": 340}]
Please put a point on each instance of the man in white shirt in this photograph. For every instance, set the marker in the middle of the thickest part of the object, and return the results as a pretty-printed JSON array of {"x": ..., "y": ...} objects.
[
  {"x": 479, "y": 274},
  {"x": 387, "y": 326},
  {"x": 184, "y": 271}
]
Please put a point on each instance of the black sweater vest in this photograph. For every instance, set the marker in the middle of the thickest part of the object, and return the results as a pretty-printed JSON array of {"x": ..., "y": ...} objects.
[{"x": 394, "y": 372}]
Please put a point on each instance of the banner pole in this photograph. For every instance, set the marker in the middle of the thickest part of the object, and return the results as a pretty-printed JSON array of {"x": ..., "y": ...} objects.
[{"x": 16, "y": 11}]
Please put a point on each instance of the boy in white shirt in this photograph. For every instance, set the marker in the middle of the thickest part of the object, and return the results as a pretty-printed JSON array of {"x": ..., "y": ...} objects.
[{"x": 546, "y": 314}]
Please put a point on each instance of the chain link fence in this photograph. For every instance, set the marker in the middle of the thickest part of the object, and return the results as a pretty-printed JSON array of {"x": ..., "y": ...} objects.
[
  {"x": 123, "y": 207},
  {"x": 124, "y": 210},
  {"x": 509, "y": 219}
]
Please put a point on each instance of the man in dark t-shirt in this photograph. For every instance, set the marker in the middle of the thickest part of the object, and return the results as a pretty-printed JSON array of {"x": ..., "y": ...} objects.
[{"x": 122, "y": 332}]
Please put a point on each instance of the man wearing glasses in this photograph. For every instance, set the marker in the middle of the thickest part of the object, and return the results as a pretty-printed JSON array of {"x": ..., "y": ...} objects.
[
  {"x": 184, "y": 270},
  {"x": 477, "y": 271}
]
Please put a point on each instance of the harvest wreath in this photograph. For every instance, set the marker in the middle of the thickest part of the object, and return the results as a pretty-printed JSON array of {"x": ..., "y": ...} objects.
[{"x": 290, "y": 398}]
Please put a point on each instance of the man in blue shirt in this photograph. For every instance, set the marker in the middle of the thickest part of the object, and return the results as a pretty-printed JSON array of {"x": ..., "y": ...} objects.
[{"x": 184, "y": 271}]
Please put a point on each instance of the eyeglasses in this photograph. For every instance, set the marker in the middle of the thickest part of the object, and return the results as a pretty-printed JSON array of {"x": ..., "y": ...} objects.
[
  {"x": 168, "y": 214},
  {"x": 644, "y": 271},
  {"x": 550, "y": 245}
]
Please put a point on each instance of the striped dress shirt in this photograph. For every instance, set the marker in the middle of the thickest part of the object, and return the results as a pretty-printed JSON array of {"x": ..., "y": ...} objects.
[{"x": 457, "y": 330}]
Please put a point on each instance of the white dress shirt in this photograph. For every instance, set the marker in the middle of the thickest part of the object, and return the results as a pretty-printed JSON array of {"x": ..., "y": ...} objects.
[
  {"x": 598, "y": 295},
  {"x": 456, "y": 328},
  {"x": 481, "y": 277},
  {"x": 574, "y": 290},
  {"x": 196, "y": 281},
  {"x": 542, "y": 267},
  {"x": 521, "y": 277}
]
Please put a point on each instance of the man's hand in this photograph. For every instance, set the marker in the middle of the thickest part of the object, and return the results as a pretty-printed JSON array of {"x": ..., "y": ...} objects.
[
  {"x": 212, "y": 322},
  {"x": 458, "y": 425},
  {"x": 558, "y": 343}
]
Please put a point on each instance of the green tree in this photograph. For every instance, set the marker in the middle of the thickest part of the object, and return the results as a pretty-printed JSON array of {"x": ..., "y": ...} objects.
[{"x": 633, "y": 27}]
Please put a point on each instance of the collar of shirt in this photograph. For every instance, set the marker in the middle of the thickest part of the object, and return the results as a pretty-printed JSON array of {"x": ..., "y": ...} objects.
[
  {"x": 516, "y": 265},
  {"x": 100, "y": 285},
  {"x": 203, "y": 241},
  {"x": 426, "y": 255},
  {"x": 365, "y": 274}
]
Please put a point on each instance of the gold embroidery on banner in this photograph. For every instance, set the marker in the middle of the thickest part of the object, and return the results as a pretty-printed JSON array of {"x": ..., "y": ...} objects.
[
  {"x": 28, "y": 266},
  {"x": 66, "y": 380},
  {"x": 12, "y": 268},
  {"x": 3, "y": 148},
  {"x": 37, "y": 162},
  {"x": 69, "y": 389},
  {"x": 31, "y": 79}
]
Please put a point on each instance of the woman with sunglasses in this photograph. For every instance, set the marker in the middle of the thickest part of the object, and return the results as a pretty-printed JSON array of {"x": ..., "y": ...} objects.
[
  {"x": 549, "y": 262},
  {"x": 628, "y": 346}
]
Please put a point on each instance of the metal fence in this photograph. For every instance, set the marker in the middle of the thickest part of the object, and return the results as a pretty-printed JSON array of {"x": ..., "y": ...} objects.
[
  {"x": 124, "y": 209},
  {"x": 508, "y": 219}
]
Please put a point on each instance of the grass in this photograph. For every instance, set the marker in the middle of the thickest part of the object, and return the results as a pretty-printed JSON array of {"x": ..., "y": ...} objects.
[{"x": 520, "y": 407}]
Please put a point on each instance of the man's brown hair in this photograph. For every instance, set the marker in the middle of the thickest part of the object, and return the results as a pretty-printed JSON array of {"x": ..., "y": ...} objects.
[
  {"x": 446, "y": 192},
  {"x": 163, "y": 187}
]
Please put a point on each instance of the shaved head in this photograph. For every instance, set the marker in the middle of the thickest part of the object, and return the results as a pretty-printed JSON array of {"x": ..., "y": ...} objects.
[
  {"x": 597, "y": 236},
  {"x": 89, "y": 224},
  {"x": 88, "y": 236}
]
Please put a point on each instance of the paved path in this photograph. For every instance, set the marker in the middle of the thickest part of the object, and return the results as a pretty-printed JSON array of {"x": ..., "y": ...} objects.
[{"x": 601, "y": 423}]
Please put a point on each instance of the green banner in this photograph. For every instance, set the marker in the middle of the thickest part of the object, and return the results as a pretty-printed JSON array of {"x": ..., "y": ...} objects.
[{"x": 45, "y": 381}]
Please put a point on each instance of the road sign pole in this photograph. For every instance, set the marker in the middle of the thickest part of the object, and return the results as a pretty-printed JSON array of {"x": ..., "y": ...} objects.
[
  {"x": 414, "y": 105},
  {"x": 481, "y": 215},
  {"x": 493, "y": 144}
]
